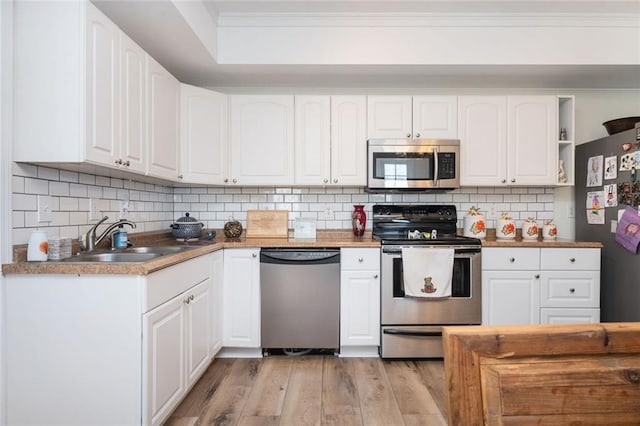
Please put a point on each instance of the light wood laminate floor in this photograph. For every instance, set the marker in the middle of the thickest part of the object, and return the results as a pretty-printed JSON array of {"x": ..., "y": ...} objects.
[{"x": 316, "y": 390}]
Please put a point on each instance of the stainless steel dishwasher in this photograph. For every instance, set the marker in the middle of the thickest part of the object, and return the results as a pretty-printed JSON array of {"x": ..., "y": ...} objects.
[{"x": 300, "y": 298}]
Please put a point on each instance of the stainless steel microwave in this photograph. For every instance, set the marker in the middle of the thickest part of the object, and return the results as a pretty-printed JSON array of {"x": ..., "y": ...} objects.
[{"x": 414, "y": 164}]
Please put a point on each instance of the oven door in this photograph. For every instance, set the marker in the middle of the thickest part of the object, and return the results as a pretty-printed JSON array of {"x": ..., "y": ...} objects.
[{"x": 463, "y": 307}]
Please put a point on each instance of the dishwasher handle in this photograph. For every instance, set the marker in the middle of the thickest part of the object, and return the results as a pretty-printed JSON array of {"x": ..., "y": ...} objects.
[{"x": 300, "y": 257}]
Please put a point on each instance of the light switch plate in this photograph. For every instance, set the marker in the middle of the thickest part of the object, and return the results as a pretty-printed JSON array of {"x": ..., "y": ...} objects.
[
  {"x": 614, "y": 226},
  {"x": 44, "y": 208},
  {"x": 94, "y": 212}
]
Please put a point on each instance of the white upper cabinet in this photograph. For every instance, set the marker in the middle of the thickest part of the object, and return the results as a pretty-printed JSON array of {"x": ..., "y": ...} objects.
[
  {"x": 508, "y": 140},
  {"x": 133, "y": 89},
  {"x": 349, "y": 140},
  {"x": 203, "y": 135},
  {"x": 164, "y": 125},
  {"x": 102, "y": 80},
  {"x": 482, "y": 128},
  {"x": 418, "y": 117},
  {"x": 262, "y": 150},
  {"x": 330, "y": 142},
  {"x": 532, "y": 154},
  {"x": 312, "y": 140},
  {"x": 435, "y": 117}
]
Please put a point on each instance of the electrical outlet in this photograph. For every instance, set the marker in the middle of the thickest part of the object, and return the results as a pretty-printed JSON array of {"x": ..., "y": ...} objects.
[
  {"x": 326, "y": 213},
  {"x": 491, "y": 212},
  {"x": 94, "y": 212},
  {"x": 44, "y": 208},
  {"x": 124, "y": 209}
]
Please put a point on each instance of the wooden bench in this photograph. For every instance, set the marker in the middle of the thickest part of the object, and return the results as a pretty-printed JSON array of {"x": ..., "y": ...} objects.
[{"x": 586, "y": 374}]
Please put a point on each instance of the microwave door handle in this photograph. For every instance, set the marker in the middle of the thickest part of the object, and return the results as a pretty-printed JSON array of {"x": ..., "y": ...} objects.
[{"x": 435, "y": 167}]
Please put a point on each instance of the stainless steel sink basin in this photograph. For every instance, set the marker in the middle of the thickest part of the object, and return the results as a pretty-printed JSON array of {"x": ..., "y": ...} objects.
[{"x": 131, "y": 254}]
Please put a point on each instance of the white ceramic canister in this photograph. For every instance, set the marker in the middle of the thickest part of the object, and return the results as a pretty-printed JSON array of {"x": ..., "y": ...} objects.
[
  {"x": 549, "y": 231},
  {"x": 474, "y": 226},
  {"x": 38, "y": 247},
  {"x": 506, "y": 229},
  {"x": 530, "y": 230}
]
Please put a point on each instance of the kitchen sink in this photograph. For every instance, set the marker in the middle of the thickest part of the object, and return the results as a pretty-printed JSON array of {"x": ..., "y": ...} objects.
[{"x": 131, "y": 254}]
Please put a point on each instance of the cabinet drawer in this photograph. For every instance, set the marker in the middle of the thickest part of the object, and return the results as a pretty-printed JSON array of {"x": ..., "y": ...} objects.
[
  {"x": 570, "y": 259},
  {"x": 569, "y": 316},
  {"x": 360, "y": 259},
  {"x": 169, "y": 282},
  {"x": 511, "y": 259},
  {"x": 570, "y": 289}
]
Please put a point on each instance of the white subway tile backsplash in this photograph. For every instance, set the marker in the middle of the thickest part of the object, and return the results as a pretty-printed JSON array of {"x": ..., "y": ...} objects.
[
  {"x": 17, "y": 184},
  {"x": 24, "y": 202},
  {"x": 67, "y": 176},
  {"x": 77, "y": 190},
  {"x": 48, "y": 173},
  {"x": 35, "y": 186},
  {"x": 87, "y": 179},
  {"x": 58, "y": 188}
]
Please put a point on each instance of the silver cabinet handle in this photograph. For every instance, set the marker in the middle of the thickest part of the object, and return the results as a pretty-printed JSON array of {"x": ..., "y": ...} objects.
[
  {"x": 118, "y": 161},
  {"x": 375, "y": 276},
  {"x": 187, "y": 301},
  {"x": 513, "y": 180},
  {"x": 503, "y": 181},
  {"x": 180, "y": 176},
  {"x": 226, "y": 180},
  {"x": 127, "y": 163},
  {"x": 326, "y": 180},
  {"x": 572, "y": 290},
  {"x": 511, "y": 259},
  {"x": 537, "y": 276},
  {"x": 408, "y": 135},
  {"x": 335, "y": 180},
  {"x": 235, "y": 181},
  {"x": 572, "y": 260},
  {"x": 360, "y": 259},
  {"x": 254, "y": 255},
  {"x": 417, "y": 135}
]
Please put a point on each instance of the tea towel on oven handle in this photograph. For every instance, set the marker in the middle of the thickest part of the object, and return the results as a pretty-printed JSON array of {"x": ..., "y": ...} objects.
[{"x": 427, "y": 272}]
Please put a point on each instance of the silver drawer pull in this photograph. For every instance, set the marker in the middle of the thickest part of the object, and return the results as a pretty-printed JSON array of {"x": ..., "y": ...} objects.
[
  {"x": 254, "y": 255},
  {"x": 511, "y": 259},
  {"x": 572, "y": 260},
  {"x": 375, "y": 276},
  {"x": 572, "y": 290},
  {"x": 360, "y": 260},
  {"x": 537, "y": 276}
]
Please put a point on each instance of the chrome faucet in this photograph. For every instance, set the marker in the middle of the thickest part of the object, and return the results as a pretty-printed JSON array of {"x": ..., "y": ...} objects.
[{"x": 89, "y": 241}]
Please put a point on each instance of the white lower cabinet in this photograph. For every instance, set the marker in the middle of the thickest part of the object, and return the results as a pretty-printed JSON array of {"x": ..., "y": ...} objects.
[
  {"x": 540, "y": 285},
  {"x": 217, "y": 301},
  {"x": 359, "y": 301},
  {"x": 241, "y": 295},
  {"x": 106, "y": 349}
]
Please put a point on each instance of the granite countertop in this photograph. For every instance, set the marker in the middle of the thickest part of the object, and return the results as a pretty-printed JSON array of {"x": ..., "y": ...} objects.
[{"x": 324, "y": 238}]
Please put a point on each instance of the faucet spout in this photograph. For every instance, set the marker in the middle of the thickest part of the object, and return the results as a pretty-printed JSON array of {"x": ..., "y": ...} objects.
[{"x": 90, "y": 240}]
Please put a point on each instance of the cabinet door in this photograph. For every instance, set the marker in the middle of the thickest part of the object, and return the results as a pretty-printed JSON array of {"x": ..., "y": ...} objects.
[
  {"x": 163, "y": 360},
  {"x": 102, "y": 97},
  {"x": 435, "y": 117},
  {"x": 348, "y": 140},
  {"x": 241, "y": 311},
  {"x": 262, "y": 140},
  {"x": 482, "y": 131},
  {"x": 203, "y": 135},
  {"x": 217, "y": 302},
  {"x": 133, "y": 84},
  {"x": 164, "y": 101},
  {"x": 533, "y": 144},
  {"x": 389, "y": 117},
  {"x": 312, "y": 140},
  {"x": 510, "y": 297},
  {"x": 198, "y": 330},
  {"x": 359, "y": 308}
]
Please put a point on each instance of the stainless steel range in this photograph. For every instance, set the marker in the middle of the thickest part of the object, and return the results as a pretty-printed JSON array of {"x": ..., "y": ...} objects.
[{"x": 412, "y": 327}]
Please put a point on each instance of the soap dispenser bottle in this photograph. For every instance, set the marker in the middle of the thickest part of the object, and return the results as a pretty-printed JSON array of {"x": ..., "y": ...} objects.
[{"x": 120, "y": 238}]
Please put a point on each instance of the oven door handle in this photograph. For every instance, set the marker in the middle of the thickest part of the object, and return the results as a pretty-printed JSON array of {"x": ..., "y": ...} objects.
[{"x": 412, "y": 333}]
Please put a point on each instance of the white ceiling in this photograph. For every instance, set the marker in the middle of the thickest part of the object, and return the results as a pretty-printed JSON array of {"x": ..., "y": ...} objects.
[{"x": 162, "y": 31}]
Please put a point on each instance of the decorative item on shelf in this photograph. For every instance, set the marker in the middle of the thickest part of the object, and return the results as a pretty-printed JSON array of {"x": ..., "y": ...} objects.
[
  {"x": 186, "y": 228},
  {"x": 562, "y": 175},
  {"x": 232, "y": 229},
  {"x": 358, "y": 220},
  {"x": 530, "y": 230},
  {"x": 563, "y": 134},
  {"x": 474, "y": 224},
  {"x": 549, "y": 230},
  {"x": 38, "y": 247},
  {"x": 506, "y": 227}
]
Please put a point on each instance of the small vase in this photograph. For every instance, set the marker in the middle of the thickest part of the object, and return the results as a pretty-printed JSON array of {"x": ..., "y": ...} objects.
[
  {"x": 530, "y": 231},
  {"x": 474, "y": 226},
  {"x": 358, "y": 220},
  {"x": 549, "y": 232},
  {"x": 38, "y": 247}
]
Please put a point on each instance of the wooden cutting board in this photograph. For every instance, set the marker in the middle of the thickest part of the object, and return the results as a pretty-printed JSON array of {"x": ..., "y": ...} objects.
[{"x": 267, "y": 223}]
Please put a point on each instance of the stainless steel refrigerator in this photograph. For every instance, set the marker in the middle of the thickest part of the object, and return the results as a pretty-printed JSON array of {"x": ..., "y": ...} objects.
[{"x": 620, "y": 269}]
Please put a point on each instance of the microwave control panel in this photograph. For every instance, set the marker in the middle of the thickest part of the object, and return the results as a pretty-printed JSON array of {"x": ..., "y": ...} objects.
[{"x": 446, "y": 165}]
